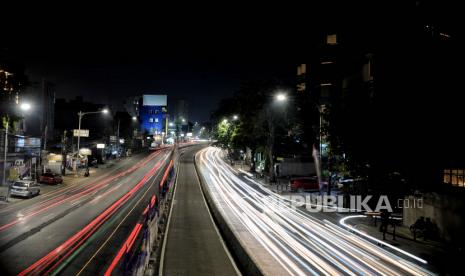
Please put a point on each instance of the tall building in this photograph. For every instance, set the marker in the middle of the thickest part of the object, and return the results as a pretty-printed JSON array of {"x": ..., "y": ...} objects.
[
  {"x": 12, "y": 80},
  {"x": 391, "y": 93},
  {"x": 47, "y": 120},
  {"x": 181, "y": 112},
  {"x": 131, "y": 105},
  {"x": 153, "y": 114}
]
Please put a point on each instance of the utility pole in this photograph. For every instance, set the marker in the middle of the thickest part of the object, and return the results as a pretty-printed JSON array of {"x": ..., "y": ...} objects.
[
  {"x": 5, "y": 156},
  {"x": 45, "y": 137},
  {"x": 80, "y": 115},
  {"x": 117, "y": 139},
  {"x": 63, "y": 153},
  {"x": 43, "y": 153}
]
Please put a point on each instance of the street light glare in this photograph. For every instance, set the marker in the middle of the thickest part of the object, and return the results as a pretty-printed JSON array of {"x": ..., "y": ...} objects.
[
  {"x": 235, "y": 117},
  {"x": 281, "y": 97},
  {"x": 134, "y": 118},
  {"x": 105, "y": 111},
  {"x": 25, "y": 106}
]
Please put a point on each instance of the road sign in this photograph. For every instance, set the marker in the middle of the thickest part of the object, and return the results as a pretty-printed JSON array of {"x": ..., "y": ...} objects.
[
  {"x": 100, "y": 146},
  {"x": 83, "y": 133}
]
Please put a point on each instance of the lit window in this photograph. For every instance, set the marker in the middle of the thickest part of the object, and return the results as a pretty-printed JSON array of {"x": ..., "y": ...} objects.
[
  {"x": 151, "y": 120},
  {"x": 331, "y": 39},
  {"x": 454, "y": 177},
  {"x": 301, "y": 69},
  {"x": 156, "y": 120}
]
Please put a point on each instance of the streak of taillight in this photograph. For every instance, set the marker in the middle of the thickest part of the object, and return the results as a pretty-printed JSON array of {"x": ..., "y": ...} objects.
[
  {"x": 124, "y": 248},
  {"x": 152, "y": 201},
  {"x": 165, "y": 175},
  {"x": 145, "y": 210},
  {"x": 50, "y": 257},
  {"x": 80, "y": 194}
]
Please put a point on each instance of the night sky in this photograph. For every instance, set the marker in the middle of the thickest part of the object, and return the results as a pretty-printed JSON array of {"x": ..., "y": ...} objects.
[
  {"x": 107, "y": 60},
  {"x": 200, "y": 53}
]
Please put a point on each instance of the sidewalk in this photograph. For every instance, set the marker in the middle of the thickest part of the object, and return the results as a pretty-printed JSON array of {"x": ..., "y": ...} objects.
[{"x": 438, "y": 254}]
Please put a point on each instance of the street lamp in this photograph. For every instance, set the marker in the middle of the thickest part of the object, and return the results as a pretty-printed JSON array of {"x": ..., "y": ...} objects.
[
  {"x": 235, "y": 117},
  {"x": 134, "y": 118},
  {"x": 81, "y": 114},
  {"x": 281, "y": 97},
  {"x": 25, "y": 106}
]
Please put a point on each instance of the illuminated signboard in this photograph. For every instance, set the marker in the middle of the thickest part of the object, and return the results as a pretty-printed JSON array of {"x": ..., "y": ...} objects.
[{"x": 155, "y": 100}]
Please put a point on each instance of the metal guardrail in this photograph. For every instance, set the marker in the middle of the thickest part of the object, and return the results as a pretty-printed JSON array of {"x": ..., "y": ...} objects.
[{"x": 140, "y": 247}]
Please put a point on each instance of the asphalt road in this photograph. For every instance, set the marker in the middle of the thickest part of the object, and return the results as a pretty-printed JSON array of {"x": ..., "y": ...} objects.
[
  {"x": 300, "y": 242},
  {"x": 193, "y": 244},
  {"x": 79, "y": 229}
]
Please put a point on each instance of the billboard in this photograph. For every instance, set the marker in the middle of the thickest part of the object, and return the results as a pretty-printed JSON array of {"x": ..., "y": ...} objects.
[
  {"x": 82, "y": 132},
  {"x": 155, "y": 100},
  {"x": 27, "y": 142}
]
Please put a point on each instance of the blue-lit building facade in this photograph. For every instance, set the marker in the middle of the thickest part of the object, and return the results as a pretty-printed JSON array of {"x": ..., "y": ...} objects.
[{"x": 153, "y": 114}]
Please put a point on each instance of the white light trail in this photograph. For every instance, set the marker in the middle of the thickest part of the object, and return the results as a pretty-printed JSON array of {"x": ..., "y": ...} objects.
[{"x": 300, "y": 243}]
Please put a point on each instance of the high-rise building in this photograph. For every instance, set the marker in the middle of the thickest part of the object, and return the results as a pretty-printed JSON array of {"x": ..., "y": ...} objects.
[
  {"x": 47, "y": 120},
  {"x": 131, "y": 105},
  {"x": 153, "y": 114},
  {"x": 181, "y": 112}
]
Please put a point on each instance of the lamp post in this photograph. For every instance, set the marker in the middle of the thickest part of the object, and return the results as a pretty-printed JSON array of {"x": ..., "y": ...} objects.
[
  {"x": 321, "y": 110},
  {"x": 5, "y": 156},
  {"x": 117, "y": 138},
  {"x": 81, "y": 114},
  {"x": 278, "y": 98},
  {"x": 24, "y": 107}
]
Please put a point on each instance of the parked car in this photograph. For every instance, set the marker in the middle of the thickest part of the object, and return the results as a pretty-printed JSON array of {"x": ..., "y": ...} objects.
[
  {"x": 25, "y": 188},
  {"x": 309, "y": 183},
  {"x": 51, "y": 178}
]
